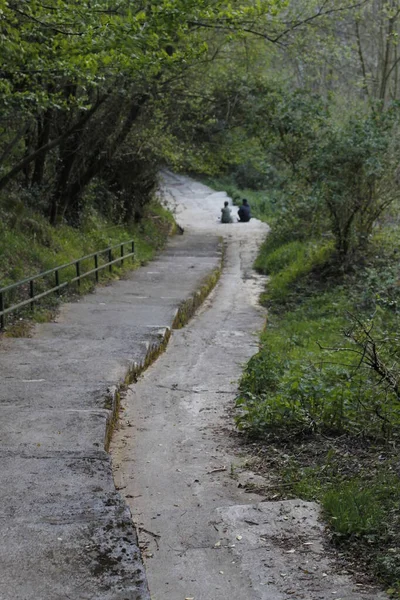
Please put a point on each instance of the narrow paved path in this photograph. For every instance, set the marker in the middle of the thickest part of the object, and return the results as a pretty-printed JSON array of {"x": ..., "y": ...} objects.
[
  {"x": 65, "y": 533},
  {"x": 202, "y": 536}
]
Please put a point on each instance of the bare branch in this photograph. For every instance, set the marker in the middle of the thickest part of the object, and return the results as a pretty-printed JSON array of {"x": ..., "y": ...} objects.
[
  {"x": 51, "y": 26},
  {"x": 276, "y": 37}
]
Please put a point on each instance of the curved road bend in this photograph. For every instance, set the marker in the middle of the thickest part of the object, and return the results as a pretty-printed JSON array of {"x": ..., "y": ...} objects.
[{"x": 202, "y": 536}]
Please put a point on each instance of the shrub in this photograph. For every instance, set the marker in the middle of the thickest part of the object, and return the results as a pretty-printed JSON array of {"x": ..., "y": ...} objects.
[
  {"x": 355, "y": 170},
  {"x": 249, "y": 176},
  {"x": 288, "y": 263}
]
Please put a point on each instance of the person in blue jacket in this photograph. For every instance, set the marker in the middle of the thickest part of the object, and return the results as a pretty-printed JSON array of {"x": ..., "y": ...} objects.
[{"x": 244, "y": 212}]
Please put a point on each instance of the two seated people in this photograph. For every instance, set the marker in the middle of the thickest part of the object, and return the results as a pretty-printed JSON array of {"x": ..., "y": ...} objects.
[{"x": 244, "y": 214}]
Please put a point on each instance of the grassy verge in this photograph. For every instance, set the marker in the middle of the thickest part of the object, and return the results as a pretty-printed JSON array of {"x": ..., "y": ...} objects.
[
  {"x": 327, "y": 423},
  {"x": 29, "y": 245}
]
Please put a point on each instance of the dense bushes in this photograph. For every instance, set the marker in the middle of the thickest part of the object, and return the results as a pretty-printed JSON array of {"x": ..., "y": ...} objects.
[
  {"x": 293, "y": 387},
  {"x": 325, "y": 385},
  {"x": 324, "y": 329},
  {"x": 325, "y": 178}
]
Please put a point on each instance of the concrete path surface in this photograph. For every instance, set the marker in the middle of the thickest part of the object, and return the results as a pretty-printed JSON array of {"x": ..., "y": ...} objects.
[
  {"x": 202, "y": 536},
  {"x": 65, "y": 532}
]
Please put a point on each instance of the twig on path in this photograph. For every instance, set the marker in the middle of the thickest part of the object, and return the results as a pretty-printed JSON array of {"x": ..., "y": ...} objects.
[
  {"x": 217, "y": 470},
  {"x": 175, "y": 388},
  {"x": 156, "y": 536}
]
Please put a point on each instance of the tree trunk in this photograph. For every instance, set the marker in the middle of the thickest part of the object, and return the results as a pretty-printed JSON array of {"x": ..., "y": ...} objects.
[
  {"x": 44, "y": 128},
  {"x": 68, "y": 155},
  {"x": 50, "y": 145},
  {"x": 70, "y": 196}
]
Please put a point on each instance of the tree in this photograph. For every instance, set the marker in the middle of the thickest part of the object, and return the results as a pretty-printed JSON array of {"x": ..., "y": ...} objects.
[
  {"x": 355, "y": 168},
  {"x": 76, "y": 78}
]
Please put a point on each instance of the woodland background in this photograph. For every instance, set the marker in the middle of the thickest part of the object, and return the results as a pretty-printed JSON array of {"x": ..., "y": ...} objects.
[{"x": 291, "y": 103}]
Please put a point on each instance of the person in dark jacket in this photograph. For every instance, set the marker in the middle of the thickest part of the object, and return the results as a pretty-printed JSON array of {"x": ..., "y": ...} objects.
[{"x": 244, "y": 213}]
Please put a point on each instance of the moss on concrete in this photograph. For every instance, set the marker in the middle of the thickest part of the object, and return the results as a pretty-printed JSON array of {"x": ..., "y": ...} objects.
[
  {"x": 183, "y": 315},
  {"x": 188, "y": 308}
]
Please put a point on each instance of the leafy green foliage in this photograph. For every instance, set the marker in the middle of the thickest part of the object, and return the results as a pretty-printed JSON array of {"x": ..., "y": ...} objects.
[
  {"x": 340, "y": 178},
  {"x": 327, "y": 376},
  {"x": 315, "y": 387},
  {"x": 84, "y": 87},
  {"x": 328, "y": 179},
  {"x": 352, "y": 168}
]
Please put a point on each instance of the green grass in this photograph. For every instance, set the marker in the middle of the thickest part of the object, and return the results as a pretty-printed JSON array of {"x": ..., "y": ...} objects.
[
  {"x": 289, "y": 264},
  {"x": 362, "y": 510},
  {"x": 357, "y": 508},
  {"x": 337, "y": 423},
  {"x": 318, "y": 382},
  {"x": 30, "y": 246}
]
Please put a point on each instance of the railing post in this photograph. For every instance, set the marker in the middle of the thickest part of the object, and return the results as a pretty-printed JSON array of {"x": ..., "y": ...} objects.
[
  {"x": 34, "y": 298},
  {"x": 57, "y": 281},
  {"x": 2, "y": 317},
  {"x": 32, "y": 294},
  {"x": 78, "y": 272}
]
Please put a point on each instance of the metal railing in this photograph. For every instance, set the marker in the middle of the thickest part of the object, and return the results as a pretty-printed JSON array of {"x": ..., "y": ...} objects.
[{"x": 30, "y": 281}]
